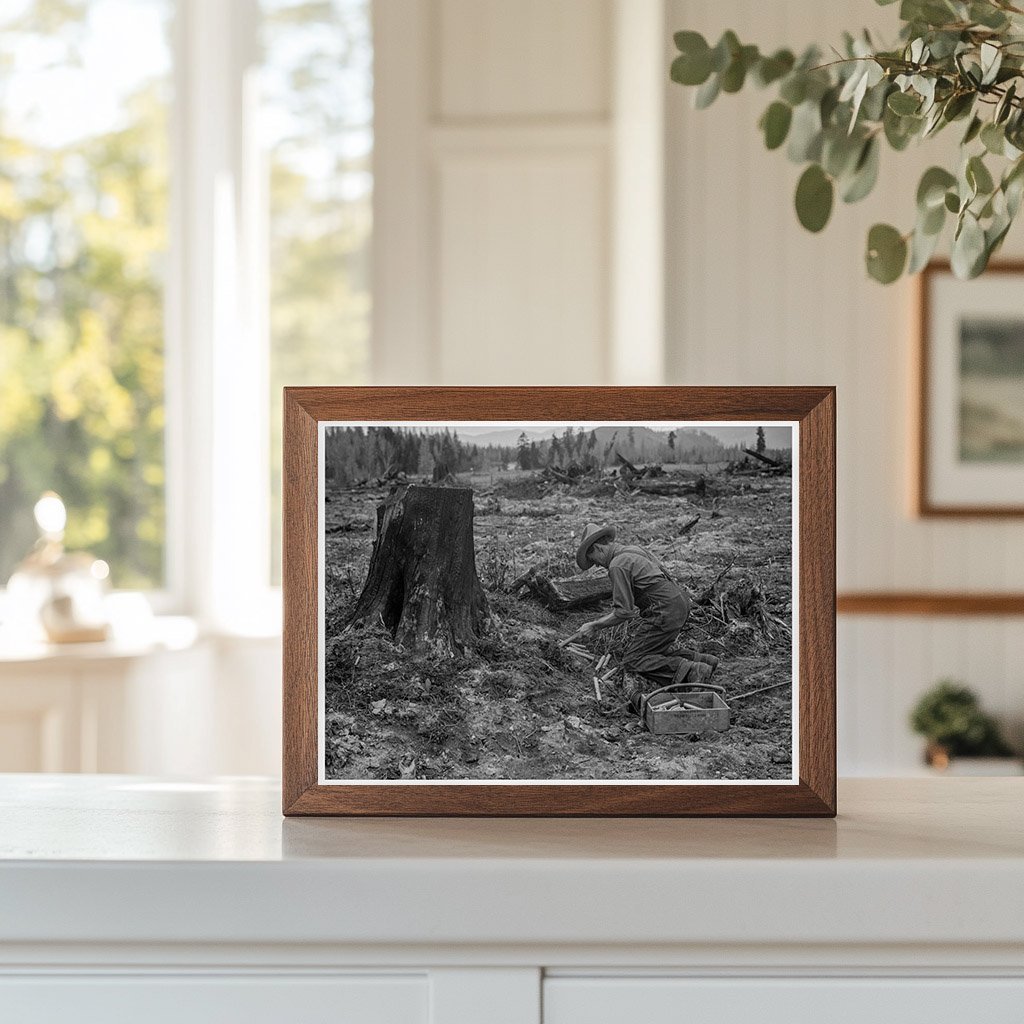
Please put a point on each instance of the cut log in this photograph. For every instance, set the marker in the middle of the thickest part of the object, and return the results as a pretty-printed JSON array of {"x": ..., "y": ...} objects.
[
  {"x": 576, "y": 592},
  {"x": 627, "y": 470},
  {"x": 774, "y": 463},
  {"x": 669, "y": 489},
  {"x": 626, "y": 464},
  {"x": 422, "y": 582},
  {"x": 557, "y": 475}
]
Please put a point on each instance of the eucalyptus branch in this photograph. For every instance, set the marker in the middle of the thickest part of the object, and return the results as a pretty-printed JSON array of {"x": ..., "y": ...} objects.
[{"x": 954, "y": 58}]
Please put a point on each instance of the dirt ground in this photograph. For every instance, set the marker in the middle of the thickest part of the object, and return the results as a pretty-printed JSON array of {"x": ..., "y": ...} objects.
[{"x": 520, "y": 707}]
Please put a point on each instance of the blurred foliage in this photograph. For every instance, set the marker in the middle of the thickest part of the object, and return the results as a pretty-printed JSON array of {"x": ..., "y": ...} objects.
[
  {"x": 83, "y": 235},
  {"x": 949, "y": 715},
  {"x": 957, "y": 61},
  {"x": 82, "y": 230}
]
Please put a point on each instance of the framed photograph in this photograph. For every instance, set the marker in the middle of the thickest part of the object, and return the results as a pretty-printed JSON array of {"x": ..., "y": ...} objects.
[
  {"x": 559, "y": 601},
  {"x": 970, "y": 450}
]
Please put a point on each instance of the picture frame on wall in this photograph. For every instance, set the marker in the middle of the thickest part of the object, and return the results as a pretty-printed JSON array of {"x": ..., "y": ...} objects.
[
  {"x": 970, "y": 383},
  {"x": 559, "y": 601}
]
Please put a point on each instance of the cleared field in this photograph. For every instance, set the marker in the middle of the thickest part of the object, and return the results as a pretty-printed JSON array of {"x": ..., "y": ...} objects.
[{"x": 518, "y": 706}]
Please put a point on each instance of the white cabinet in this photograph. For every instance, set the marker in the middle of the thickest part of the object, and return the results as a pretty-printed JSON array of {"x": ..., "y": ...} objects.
[
  {"x": 205, "y": 999},
  {"x": 132, "y": 899},
  {"x": 835, "y": 1000}
]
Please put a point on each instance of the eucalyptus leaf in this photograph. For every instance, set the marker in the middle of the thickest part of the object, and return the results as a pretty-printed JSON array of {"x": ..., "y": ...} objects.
[
  {"x": 886, "y": 253},
  {"x": 944, "y": 44},
  {"x": 865, "y": 173},
  {"x": 873, "y": 106},
  {"x": 958, "y": 105},
  {"x": 993, "y": 138},
  {"x": 814, "y": 195},
  {"x": 775, "y": 124},
  {"x": 900, "y": 130},
  {"x": 991, "y": 60},
  {"x": 724, "y": 51},
  {"x": 968, "y": 248},
  {"x": 735, "y": 74},
  {"x": 904, "y": 103},
  {"x": 707, "y": 93},
  {"x": 931, "y": 190},
  {"x": 933, "y": 122},
  {"x": 973, "y": 130},
  {"x": 771, "y": 69},
  {"x": 932, "y": 220},
  {"x": 1005, "y": 105},
  {"x": 794, "y": 88},
  {"x": 805, "y": 133},
  {"x": 987, "y": 15},
  {"x": 690, "y": 69},
  {"x": 1013, "y": 187},
  {"x": 929, "y": 12},
  {"x": 978, "y": 176},
  {"x": 840, "y": 152},
  {"x": 922, "y": 247},
  {"x": 925, "y": 87}
]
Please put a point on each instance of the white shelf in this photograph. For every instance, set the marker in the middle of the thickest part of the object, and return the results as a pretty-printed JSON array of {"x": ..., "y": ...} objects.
[{"x": 121, "y": 860}]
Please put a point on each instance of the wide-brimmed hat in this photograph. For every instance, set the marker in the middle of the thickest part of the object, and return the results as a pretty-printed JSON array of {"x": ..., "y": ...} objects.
[{"x": 591, "y": 535}]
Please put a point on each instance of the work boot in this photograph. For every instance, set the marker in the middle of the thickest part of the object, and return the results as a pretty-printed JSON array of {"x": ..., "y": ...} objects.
[
  {"x": 706, "y": 659},
  {"x": 700, "y": 672}
]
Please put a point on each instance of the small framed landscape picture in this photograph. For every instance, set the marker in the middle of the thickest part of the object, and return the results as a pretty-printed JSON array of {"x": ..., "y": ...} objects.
[
  {"x": 970, "y": 450},
  {"x": 559, "y": 601}
]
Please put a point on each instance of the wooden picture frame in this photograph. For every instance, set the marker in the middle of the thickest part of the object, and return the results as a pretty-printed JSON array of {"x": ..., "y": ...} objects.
[
  {"x": 930, "y": 377},
  {"x": 812, "y": 409}
]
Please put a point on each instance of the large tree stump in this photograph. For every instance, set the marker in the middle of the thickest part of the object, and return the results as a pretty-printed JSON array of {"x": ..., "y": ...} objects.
[{"x": 422, "y": 582}]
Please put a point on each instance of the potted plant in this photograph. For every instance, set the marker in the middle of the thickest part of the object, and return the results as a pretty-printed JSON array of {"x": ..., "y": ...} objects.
[{"x": 950, "y": 718}]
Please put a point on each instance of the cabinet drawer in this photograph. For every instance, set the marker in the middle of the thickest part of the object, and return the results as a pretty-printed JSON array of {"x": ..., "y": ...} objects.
[
  {"x": 676, "y": 1000},
  {"x": 222, "y": 999}
]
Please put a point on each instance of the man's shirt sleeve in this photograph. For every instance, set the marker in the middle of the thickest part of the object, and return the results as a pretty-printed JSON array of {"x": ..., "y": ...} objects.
[{"x": 623, "y": 605}]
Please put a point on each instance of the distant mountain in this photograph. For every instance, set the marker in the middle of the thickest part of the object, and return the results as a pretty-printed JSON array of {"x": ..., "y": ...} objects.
[
  {"x": 700, "y": 438},
  {"x": 505, "y": 438},
  {"x": 774, "y": 437}
]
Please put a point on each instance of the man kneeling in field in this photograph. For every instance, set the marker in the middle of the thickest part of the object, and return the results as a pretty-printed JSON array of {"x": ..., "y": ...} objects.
[{"x": 641, "y": 588}]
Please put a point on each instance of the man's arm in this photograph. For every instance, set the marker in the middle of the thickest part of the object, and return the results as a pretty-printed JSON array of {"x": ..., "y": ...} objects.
[
  {"x": 623, "y": 606},
  {"x": 611, "y": 619}
]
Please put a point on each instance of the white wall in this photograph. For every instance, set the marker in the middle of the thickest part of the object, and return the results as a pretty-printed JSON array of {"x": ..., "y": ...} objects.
[
  {"x": 754, "y": 299},
  {"x": 501, "y": 133}
]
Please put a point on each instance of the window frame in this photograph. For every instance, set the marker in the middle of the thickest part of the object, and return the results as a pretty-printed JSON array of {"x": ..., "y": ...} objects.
[{"x": 217, "y": 350}]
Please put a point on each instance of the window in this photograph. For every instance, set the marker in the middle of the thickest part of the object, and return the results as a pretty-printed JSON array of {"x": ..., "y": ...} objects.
[
  {"x": 317, "y": 115},
  {"x": 83, "y": 236},
  {"x": 167, "y": 264}
]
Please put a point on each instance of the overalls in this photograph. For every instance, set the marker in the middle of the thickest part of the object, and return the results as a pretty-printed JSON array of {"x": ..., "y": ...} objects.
[{"x": 641, "y": 588}]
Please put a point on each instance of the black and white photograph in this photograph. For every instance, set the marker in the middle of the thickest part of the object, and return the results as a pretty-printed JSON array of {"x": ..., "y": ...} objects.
[{"x": 558, "y": 602}]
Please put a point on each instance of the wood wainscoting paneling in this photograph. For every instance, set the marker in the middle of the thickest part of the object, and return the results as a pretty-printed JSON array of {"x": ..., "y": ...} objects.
[{"x": 926, "y": 603}]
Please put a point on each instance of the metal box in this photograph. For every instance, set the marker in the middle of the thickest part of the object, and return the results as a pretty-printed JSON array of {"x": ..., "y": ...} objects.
[{"x": 710, "y": 713}]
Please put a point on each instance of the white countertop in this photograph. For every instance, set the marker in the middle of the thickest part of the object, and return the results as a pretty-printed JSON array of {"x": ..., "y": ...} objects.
[{"x": 122, "y": 859}]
